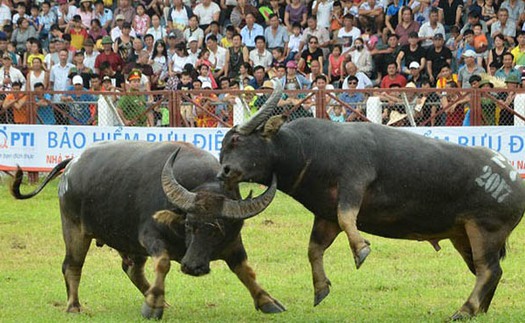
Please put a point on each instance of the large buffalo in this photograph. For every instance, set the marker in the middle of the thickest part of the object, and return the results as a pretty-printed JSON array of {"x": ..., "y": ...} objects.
[
  {"x": 152, "y": 199},
  {"x": 396, "y": 184}
]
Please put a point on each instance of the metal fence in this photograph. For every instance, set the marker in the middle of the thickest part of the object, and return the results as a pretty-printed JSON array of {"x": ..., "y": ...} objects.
[{"x": 225, "y": 108}]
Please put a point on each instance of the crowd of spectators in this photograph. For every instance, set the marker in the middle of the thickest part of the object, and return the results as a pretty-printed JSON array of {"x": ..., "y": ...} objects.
[{"x": 108, "y": 45}]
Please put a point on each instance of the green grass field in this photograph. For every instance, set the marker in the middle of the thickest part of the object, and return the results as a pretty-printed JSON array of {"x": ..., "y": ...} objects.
[{"x": 401, "y": 281}]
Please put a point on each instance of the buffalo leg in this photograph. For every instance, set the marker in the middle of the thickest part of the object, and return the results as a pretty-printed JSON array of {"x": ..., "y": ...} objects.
[
  {"x": 237, "y": 262},
  {"x": 462, "y": 245},
  {"x": 133, "y": 266},
  {"x": 323, "y": 235},
  {"x": 153, "y": 306},
  {"x": 77, "y": 246},
  {"x": 486, "y": 250},
  {"x": 347, "y": 217}
]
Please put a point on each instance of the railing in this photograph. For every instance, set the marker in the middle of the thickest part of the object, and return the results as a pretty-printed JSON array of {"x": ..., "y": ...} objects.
[{"x": 225, "y": 108}]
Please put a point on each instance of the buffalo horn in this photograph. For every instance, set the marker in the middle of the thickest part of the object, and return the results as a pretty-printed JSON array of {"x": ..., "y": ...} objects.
[
  {"x": 247, "y": 208},
  {"x": 177, "y": 195},
  {"x": 264, "y": 112}
]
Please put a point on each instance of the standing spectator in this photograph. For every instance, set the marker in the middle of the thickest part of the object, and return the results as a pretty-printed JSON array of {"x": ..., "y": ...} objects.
[
  {"x": 104, "y": 15},
  {"x": 132, "y": 107},
  {"x": 16, "y": 102},
  {"x": 406, "y": 26},
  {"x": 141, "y": 21},
  {"x": 507, "y": 69},
  {"x": 217, "y": 56},
  {"x": 86, "y": 12},
  {"x": 124, "y": 44},
  {"x": 322, "y": 9},
  {"x": 437, "y": 56},
  {"x": 59, "y": 81},
  {"x": 393, "y": 77},
  {"x": 37, "y": 74},
  {"x": 96, "y": 31},
  {"x": 126, "y": 10},
  {"x": 250, "y": 31},
  {"x": 312, "y": 53},
  {"x": 431, "y": 28},
  {"x": 156, "y": 30},
  {"x": 116, "y": 32},
  {"x": 236, "y": 56},
  {"x": 260, "y": 55},
  {"x": 470, "y": 68},
  {"x": 78, "y": 33},
  {"x": 78, "y": 103},
  {"x": 44, "y": 111},
  {"x": 207, "y": 11},
  {"x": 22, "y": 34},
  {"x": 178, "y": 15},
  {"x": 348, "y": 34},
  {"x": 10, "y": 74},
  {"x": 295, "y": 12},
  {"x": 90, "y": 55},
  {"x": 504, "y": 26},
  {"x": 108, "y": 55},
  {"x": 276, "y": 34},
  {"x": 5, "y": 13},
  {"x": 193, "y": 31}
]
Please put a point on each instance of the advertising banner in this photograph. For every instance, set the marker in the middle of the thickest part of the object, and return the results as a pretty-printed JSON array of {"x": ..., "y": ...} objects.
[{"x": 40, "y": 148}]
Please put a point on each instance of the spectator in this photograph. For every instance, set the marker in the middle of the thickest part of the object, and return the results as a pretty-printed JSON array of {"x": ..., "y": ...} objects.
[
  {"x": 78, "y": 103},
  {"x": 488, "y": 12},
  {"x": 108, "y": 55},
  {"x": 385, "y": 54},
  {"x": 506, "y": 117},
  {"x": 351, "y": 70},
  {"x": 59, "y": 81},
  {"x": 96, "y": 31},
  {"x": 336, "y": 66},
  {"x": 5, "y": 12},
  {"x": 519, "y": 50},
  {"x": 293, "y": 80},
  {"x": 37, "y": 74},
  {"x": 47, "y": 19},
  {"x": 149, "y": 41},
  {"x": 251, "y": 31},
  {"x": 295, "y": 12},
  {"x": 393, "y": 14},
  {"x": 322, "y": 9},
  {"x": 445, "y": 75},
  {"x": 409, "y": 53},
  {"x": 116, "y": 32},
  {"x": 186, "y": 109},
  {"x": 452, "y": 10},
  {"x": 431, "y": 28},
  {"x": 516, "y": 10},
  {"x": 227, "y": 40},
  {"x": 497, "y": 52},
  {"x": 132, "y": 107},
  {"x": 10, "y": 74},
  {"x": 44, "y": 111},
  {"x": 178, "y": 15},
  {"x": 239, "y": 13},
  {"x": 259, "y": 76},
  {"x": 156, "y": 30},
  {"x": 217, "y": 56},
  {"x": 22, "y": 34},
  {"x": 393, "y": 77},
  {"x": 415, "y": 75},
  {"x": 474, "y": 18},
  {"x": 361, "y": 57},
  {"x": 406, "y": 26},
  {"x": 66, "y": 12},
  {"x": 335, "y": 113},
  {"x": 15, "y": 101},
  {"x": 104, "y": 15},
  {"x": 371, "y": 13},
  {"x": 507, "y": 68},
  {"x": 141, "y": 21},
  {"x": 125, "y": 10},
  {"x": 214, "y": 30},
  {"x": 180, "y": 59},
  {"x": 321, "y": 34},
  {"x": 260, "y": 56},
  {"x": 354, "y": 100},
  {"x": 470, "y": 68},
  {"x": 207, "y": 11},
  {"x": 159, "y": 64},
  {"x": 86, "y": 12},
  {"x": 193, "y": 31},
  {"x": 116, "y": 77},
  {"x": 81, "y": 69},
  {"x": 294, "y": 42},
  {"x": 276, "y": 34},
  {"x": 504, "y": 26},
  {"x": 437, "y": 56},
  {"x": 315, "y": 71},
  {"x": 312, "y": 53},
  {"x": 236, "y": 56},
  {"x": 78, "y": 33},
  {"x": 347, "y": 35},
  {"x": 90, "y": 55}
]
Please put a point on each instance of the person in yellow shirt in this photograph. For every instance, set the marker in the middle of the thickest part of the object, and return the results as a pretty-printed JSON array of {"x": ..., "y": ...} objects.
[
  {"x": 227, "y": 40},
  {"x": 519, "y": 51},
  {"x": 445, "y": 75}
]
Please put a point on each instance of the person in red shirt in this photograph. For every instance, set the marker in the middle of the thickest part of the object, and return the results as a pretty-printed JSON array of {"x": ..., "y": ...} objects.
[
  {"x": 393, "y": 77},
  {"x": 108, "y": 55}
]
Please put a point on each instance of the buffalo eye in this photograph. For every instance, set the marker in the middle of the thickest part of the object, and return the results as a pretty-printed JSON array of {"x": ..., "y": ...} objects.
[{"x": 235, "y": 140}]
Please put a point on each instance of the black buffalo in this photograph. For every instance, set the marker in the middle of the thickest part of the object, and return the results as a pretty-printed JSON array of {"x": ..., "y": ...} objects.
[
  {"x": 394, "y": 183},
  {"x": 127, "y": 195}
]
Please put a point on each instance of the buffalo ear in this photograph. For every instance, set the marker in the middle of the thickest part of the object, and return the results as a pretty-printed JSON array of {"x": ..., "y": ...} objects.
[
  {"x": 168, "y": 218},
  {"x": 272, "y": 126}
]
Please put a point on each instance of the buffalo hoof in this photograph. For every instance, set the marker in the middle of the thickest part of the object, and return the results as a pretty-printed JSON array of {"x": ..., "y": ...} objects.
[
  {"x": 151, "y": 313},
  {"x": 460, "y": 315},
  {"x": 321, "y": 295},
  {"x": 361, "y": 256},
  {"x": 272, "y": 308}
]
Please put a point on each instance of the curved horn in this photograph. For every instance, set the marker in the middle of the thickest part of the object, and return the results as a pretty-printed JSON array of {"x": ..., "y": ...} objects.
[
  {"x": 177, "y": 195},
  {"x": 264, "y": 112},
  {"x": 244, "y": 209}
]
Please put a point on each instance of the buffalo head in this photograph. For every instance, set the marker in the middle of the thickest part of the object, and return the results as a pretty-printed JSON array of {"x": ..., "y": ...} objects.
[
  {"x": 248, "y": 152},
  {"x": 212, "y": 220}
]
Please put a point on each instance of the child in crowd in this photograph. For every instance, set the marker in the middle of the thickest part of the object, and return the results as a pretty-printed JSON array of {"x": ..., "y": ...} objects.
[
  {"x": 186, "y": 109},
  {"x": 141, "y": 21},
  {"x": 335, "y": 112},
  {"x": 335, "y": 66},
  {"x": 227, "y": 40},
  {"x": 294, "y": 41}
]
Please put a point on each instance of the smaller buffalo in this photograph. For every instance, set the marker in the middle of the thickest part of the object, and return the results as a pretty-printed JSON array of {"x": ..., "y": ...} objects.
[{"x": 152, "y": 199}]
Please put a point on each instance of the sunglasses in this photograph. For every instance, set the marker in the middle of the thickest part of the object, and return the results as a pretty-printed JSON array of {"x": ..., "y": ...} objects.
[
  {"x": 313, "y": 42},
  {"x": 352, "y": 82}
]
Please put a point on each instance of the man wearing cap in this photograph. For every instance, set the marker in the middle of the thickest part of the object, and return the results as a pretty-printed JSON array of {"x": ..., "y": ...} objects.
[
  {"x": 104, "y": 15},
  {"x": 193, "y": 50},
  {"x": 132, "y": 108},
  {"x": 470, "y": 68},
  {"x": 65, "y": 13},
  {"x": 10, "y": 74},
  {"x": 437, "y": 55},
  {"x": 90, "y": 54},
  {"x": 78, "y": 102},
  {"x": 430, "y": 28},
  {"x": 108, "y": 55},
  {"x": 125, "y": 10}
]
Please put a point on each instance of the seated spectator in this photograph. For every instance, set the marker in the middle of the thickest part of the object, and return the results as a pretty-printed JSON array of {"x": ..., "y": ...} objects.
[
  {"x": 371, "y": 13},
  {"x": 16, "y": 102},
  {"x": 217, "y": 56},
  {"x": 445, "y": 75},
  {"x": 336, "y": 66},
  {"x": 412, "y": 52},
  {"x": 406, "y": 26},
  {"x": 295, "y": 12},
  {"x": 240, "y": 12},
  {"x": 363, "y": 80},
  {"x": 393, "y": 77},
  {"x": 156, "y": 30},
  {"x": 250, "y": 31},
  {"x": 474, "y": 18},
  {"x": 312, "y": 53},
  {"x": 22, "y": 34},
  {"x": 260, "y": 56},
  {"x": 103, "y": 15},
  {"x": 275, "y": 34},
  {"x": 321, "y": 35},
  {"x": 436, "y": 57},
  {"x": 259, "y": 76},
  {"x": 207, "y": 11},
  {"x": 504, "y": 26},
  {"x": 141, "y": 21},
  {"x": 178, "y": 15},
  {"x": 193, "y": 31},
  {"x": 354, "y": 100},
  {"x": 453, "y": 106},
  {"x": 215, "y": 30},
  {"x": 336, "y": 113},
  {"x": 293, "y": 80},
  {"x": 294, "y": 42},
  {"x": 415, "y": 76},
  {"x": 44, "y": 111},
  {"x": 431, "y": 28},
  {"x": 508, "y": 67},
  {"x": 96, "y": 31},
  {"x": 452, "y": 12},
  {"x": 384, "y": 54},
  {"x": 237, "y": 55},
  {"x": 519, "y": 50},
  {"x": 348, "y": 34}
]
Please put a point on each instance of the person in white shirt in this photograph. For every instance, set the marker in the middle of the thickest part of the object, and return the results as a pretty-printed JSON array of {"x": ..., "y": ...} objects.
[
  {"x": 9, "y": 74},
  {"x": 260, "y": 55},
  {"x": 207, "y": 11},
  {"x": 5, "y": 13},
  {"x": 430, "y": 28},
  {"x": 323, "y": 10},
  {"x": 217, "y": 56},
  {"x": 348, "y": 34},
  {"x": 90, "y": 55},
  {"x": 116, "y": 32},
  {"x": 156, "y": 30}
]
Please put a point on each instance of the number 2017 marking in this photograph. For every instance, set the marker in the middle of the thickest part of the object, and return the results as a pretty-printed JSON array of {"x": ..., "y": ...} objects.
[{"x": 494, "y": 184}]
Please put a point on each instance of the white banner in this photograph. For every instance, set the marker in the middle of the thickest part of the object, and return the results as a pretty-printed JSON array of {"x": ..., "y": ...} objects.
[{"x": 40, "y": 147}]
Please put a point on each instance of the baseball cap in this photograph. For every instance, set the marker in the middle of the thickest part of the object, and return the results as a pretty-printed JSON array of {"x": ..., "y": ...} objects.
[
  {"x": 106, "y": 78},
  {"x": 469, "y": 53},
  {"x": 414, "y": 65},
  {"x": 77, "y": 79},
  {"x": 120, "y": 17},
  {"x": 438, "y": 36}
]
